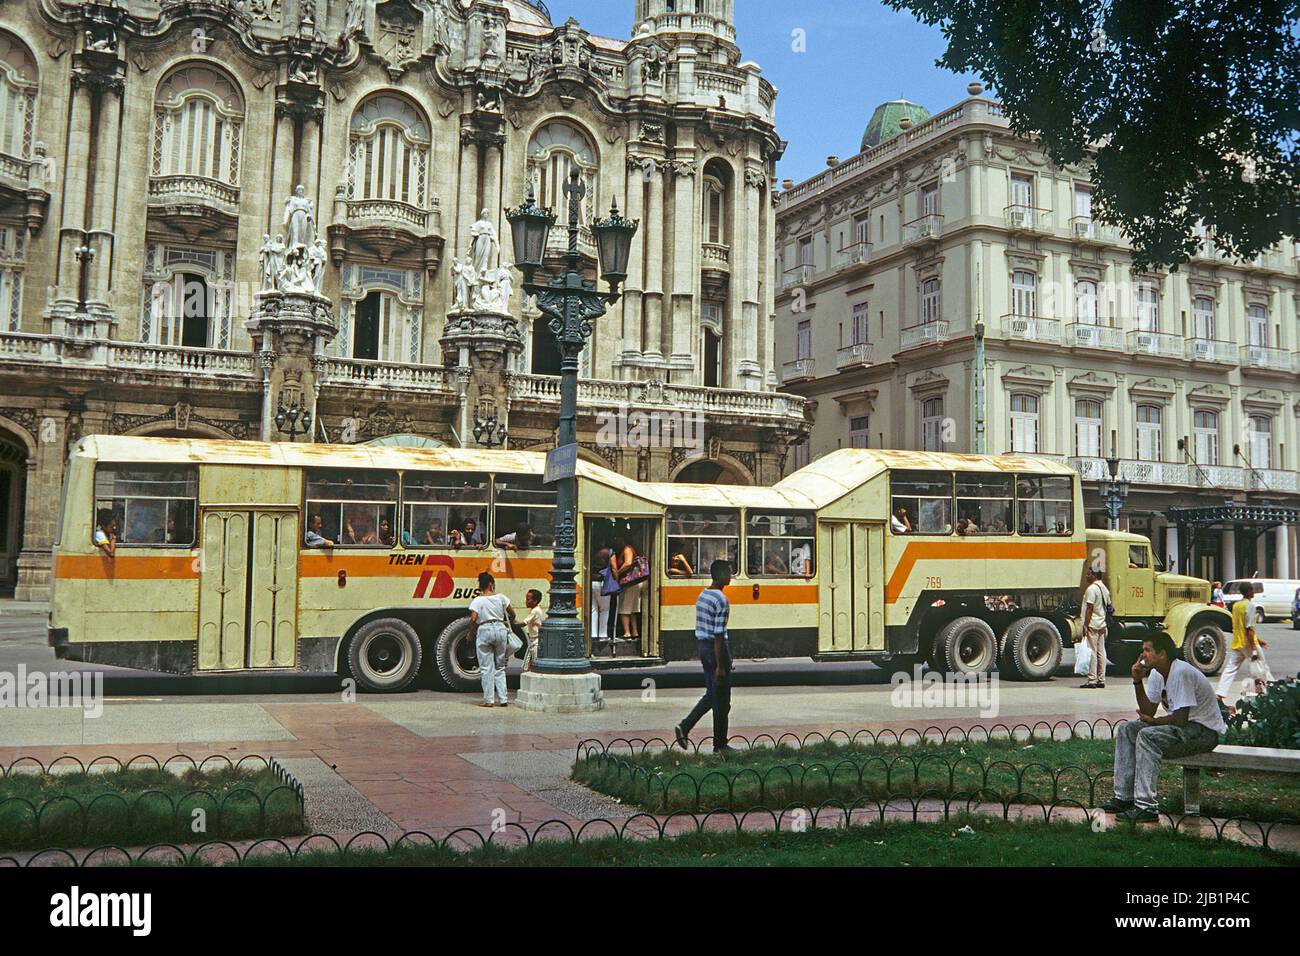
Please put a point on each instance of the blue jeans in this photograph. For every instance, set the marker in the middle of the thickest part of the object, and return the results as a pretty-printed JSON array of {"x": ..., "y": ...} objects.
[{"x": 717, "y": 693}]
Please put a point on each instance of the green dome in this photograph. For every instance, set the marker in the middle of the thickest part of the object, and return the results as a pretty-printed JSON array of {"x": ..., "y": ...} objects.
[{"x": 885, "y": 120}]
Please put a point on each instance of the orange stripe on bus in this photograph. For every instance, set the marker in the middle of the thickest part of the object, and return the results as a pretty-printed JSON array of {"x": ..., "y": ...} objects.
[
  {"x": 739, "y": 593},
  {"x": 125, "y": 567},
  {"x": 966, "y": 550},
  {"x": 327, "y": 565}
]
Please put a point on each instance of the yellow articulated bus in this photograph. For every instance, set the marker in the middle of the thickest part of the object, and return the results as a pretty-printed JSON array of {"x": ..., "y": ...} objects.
[{"x": 208, "y": 557}]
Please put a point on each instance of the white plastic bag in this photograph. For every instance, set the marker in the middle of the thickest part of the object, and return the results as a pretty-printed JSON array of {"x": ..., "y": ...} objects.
[
  {"x": 1083, "y": 658},
  {"x": 1258, "y": 675}
]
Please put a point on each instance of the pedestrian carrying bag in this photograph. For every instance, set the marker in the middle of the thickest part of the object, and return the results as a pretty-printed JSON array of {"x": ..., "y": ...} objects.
[
  {"x": 1083, "y": 658},
  {"x": 609, "y": 585},
  {"x": 637, "y": 571}
]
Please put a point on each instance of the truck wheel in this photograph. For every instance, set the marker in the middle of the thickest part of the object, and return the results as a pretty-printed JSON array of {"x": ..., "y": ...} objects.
[
  {"x": 384, "y": 656},
  {"x": 455, "y": 658},
  {"x": 1031, "y": 650},
  {"x": 967, "y": 645},
  {"x": 1203, "y": 647},
  {"x": 1260, "y": 617}
]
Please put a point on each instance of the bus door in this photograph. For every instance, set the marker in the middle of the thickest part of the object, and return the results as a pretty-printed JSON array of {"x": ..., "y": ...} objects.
[
  {"x": 851, "y": 589},
  {"x": 643, "y": 534},
  {"x": 248, "y": 589}
]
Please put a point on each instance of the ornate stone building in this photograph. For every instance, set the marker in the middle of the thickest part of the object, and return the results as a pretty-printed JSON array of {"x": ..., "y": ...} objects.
[
  {"x": 146, "y": 153},
  {"x": 947, "y": 288}
]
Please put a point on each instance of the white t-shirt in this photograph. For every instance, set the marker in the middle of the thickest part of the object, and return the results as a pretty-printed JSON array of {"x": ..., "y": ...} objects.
[
  {"x": 1097, "y": 596},
  {"x": 1187, "y": 687},
  {"x": 490, "y": 608},
  {"x": 896, "y": 525},
  {"x": 799, "y": 559},
  {"x": 100, "y": 537}
]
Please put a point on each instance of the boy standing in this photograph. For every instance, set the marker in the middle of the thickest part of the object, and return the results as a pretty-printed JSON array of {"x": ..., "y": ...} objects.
[
  {"x": 532, "y": 624},
  {"x": 711, "y": 612}
]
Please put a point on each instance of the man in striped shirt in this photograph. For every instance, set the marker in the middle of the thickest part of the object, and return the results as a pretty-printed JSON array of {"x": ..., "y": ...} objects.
[{"x": 711, "y": 612}]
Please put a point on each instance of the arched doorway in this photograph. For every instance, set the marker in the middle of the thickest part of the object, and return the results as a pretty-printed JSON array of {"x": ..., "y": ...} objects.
[
  {"x": 706, "y": 472},
  {"x": 13, "y": 480}
]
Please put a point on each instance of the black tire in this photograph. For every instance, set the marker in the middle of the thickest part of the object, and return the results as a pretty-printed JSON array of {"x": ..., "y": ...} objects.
[
  {"x": 967, "y": 645},
  {"x": 455, "y": 659},
  {"x": 1295, "y": 623},
  {"x": 384, "y": 655},
  {"x": 1260, "y": 616},
  {"x": 1031, "y": 650},
  {"x": 1204, "y": 647}
]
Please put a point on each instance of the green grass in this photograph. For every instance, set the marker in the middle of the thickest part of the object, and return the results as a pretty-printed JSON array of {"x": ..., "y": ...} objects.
[
  {"x": 142, "y": 806},
  {"x": 994, "y": 843},
  {"x": 1256, "y": 796}
]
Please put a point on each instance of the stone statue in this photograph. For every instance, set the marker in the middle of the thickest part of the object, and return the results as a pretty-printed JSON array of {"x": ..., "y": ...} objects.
[
  {"x": 464, "y": 278},
  {"x": 493, "y": 42},
  {"x": 505, "y": 289},
  {"x": 295, "y": 279},
  {"x": 485, "y": 247},
  {"x": 441, "y": 28},
  {"x": 354, "y": 16},
  {"x": 316, "y": 260},
  {"x": 269, "y": 267},
  {"x": 299, "y": 220}
]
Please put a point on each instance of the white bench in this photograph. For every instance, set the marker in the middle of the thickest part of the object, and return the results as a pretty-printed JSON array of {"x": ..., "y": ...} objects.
[{"x": 1270, "y": 759}]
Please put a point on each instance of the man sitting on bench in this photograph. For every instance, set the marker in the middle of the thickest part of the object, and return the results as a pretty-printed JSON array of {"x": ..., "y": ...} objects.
[{"x": 1192, "y": 726}]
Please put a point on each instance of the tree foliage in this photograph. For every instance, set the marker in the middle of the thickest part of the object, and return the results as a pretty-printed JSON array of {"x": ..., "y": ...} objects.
[{"x": 1188, "y": 111}]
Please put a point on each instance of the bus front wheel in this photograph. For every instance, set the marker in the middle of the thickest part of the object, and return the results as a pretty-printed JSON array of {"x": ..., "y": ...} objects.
[
  {"x": 384, "y": 655},
  {"x": 966, "y": 645},
  {"x": 455, "y": 658}
]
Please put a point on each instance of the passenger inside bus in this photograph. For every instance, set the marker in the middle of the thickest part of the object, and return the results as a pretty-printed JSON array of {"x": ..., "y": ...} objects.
[
  {"x": 678, "y": 566},
  {"x": 518, "y": 540},
  {"x": 386, "y": 533},
  {"x": 106, "y": 532},
  {"x": 801, "y": 559},
  {"x": 774, "y": 564},
  {"x": 899, "y": 522},
  {"x": 313, "y": 537},
  {"x": 433, "y": 534},
  {"x": 468, "y": 535}
]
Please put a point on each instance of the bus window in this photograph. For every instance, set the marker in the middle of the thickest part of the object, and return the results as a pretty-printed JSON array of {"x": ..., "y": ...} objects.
[
  {"x": 444, "y": 509},
  {"x": 524, "y": 507},
  {"x": 1139, "y": 556},
  {"x": 153, "y": 504},
  {"x": 779, "y": 544},
  {"x": 983, "y": 503},
  {"x": 357, "y": 508},
  {"x": 921, "y": 502},
  {"x": 702, "y": 537},
  {"x": 1045, "y": 505}
]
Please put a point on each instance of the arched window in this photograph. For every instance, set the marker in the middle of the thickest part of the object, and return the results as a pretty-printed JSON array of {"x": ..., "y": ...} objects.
[
  {"x": 1205, "y": 436},
  {"x": 381, "y": 315},
  {"x": 17, "y": 98},
  {"x": 198, "y": 120},
  {"x": 388, "y": 152},
  {"x": 1203, "y": 313},
  {"x": 932, "y": 424},
  {"x": 1024, "y": 293},
  {"x": 1085, "y": 302},
  {"x": 929, "y": 301},
  {"x": 1024, "y": 423},
  {"x": 552, "y": 153},
  {"x": 1150, "y": 432},
  {"x": 715, "y": 212},
  {"x": 1257, "y": 324},
  {"x": 1261, "y": 441},
  {"x": 1087, "y": 428}
]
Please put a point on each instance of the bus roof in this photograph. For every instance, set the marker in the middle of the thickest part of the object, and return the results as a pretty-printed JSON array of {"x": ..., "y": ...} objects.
[{"x": 816, "y": 485}]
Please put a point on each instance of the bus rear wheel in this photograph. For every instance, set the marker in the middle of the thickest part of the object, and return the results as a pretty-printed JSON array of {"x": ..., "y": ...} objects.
[
  {"x": 455, "y": 658},
  {"x": 966, "y": 645},
  {"x": 384, "y": 656},
  {"x": 1031, "y": 650}
]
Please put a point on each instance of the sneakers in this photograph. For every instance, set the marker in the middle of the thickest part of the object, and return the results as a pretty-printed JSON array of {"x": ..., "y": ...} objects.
[
  {"x": 682, "y": 740},
  {"x": 1116, "y": 805},
  {"x": 726, "y": 751},
  {"x": 1138, "y": 815}
]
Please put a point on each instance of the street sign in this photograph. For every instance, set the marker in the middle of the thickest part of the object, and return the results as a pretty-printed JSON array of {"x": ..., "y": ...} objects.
[{"x": 561, "y": 463}]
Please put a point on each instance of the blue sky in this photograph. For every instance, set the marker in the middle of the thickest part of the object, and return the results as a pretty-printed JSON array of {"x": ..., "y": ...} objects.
[{"x": 859, "y": 54}]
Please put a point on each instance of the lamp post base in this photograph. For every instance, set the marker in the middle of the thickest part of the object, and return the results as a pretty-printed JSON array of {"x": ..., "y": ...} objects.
[{"x": 560, "y": 693}]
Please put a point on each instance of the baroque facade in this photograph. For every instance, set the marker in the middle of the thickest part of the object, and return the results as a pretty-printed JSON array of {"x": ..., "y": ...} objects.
[
  {"x": 948, "y": 289},
  {"x": 146, "y": 153}
]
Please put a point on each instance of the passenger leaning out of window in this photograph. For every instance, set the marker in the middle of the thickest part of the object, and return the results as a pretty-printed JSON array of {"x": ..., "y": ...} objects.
[{"x": 106, "y": 532}]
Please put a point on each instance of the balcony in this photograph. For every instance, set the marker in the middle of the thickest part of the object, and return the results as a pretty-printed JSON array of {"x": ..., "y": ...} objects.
[
  {"x": 1021, "y": 218},
  {"x": 387, "y": 210},
  {"x": 716, "y": 256},
  {"x": 924, "y": 334},
  {"x": 185, "y": 361},
  {"x": 857, "y": 254},
  {"x": 799, "y": 275},
  {"x": 926, "y": 229},
  {"x": 194, "y": 201},
  {"x": 1083, "y": 335},
  {"x": 853, "y": 356},
  {"x": 557, "y": 243},
  {"x": 1271, "y": 479},
  {"x": 1135, "y": 471},
  {"x": 1217, "y": 476},
  {"x": 602, "y": 395},
  {"x": 799, "y": 369},
  {"x": 1087, "y": 229},
  {"x": 80, "y": 350},
  {"x": 1158, "y": 344},
  {"x": 1211, "y": 350},
  {"x": 1031, "y": 328},
  {"x": 385, "y": 228},
  {"x": 365, "y": 372},
  {"x": 1266, "y": 359}
]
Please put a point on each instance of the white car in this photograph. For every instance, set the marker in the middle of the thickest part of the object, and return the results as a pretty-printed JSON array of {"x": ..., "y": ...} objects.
[{"x": 1273, "y": 597}]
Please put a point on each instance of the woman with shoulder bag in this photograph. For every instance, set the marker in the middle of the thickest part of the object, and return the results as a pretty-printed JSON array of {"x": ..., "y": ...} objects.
[
  {"x": 631, "y": 571},
  {"x": 604, "y": 594}
]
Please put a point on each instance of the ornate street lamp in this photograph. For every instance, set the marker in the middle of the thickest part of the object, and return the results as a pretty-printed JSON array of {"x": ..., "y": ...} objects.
[
  {"x": 293, "y": 420},
  {"x": 571, "y": 303},
  {"x": 1113, "y": 491}
]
